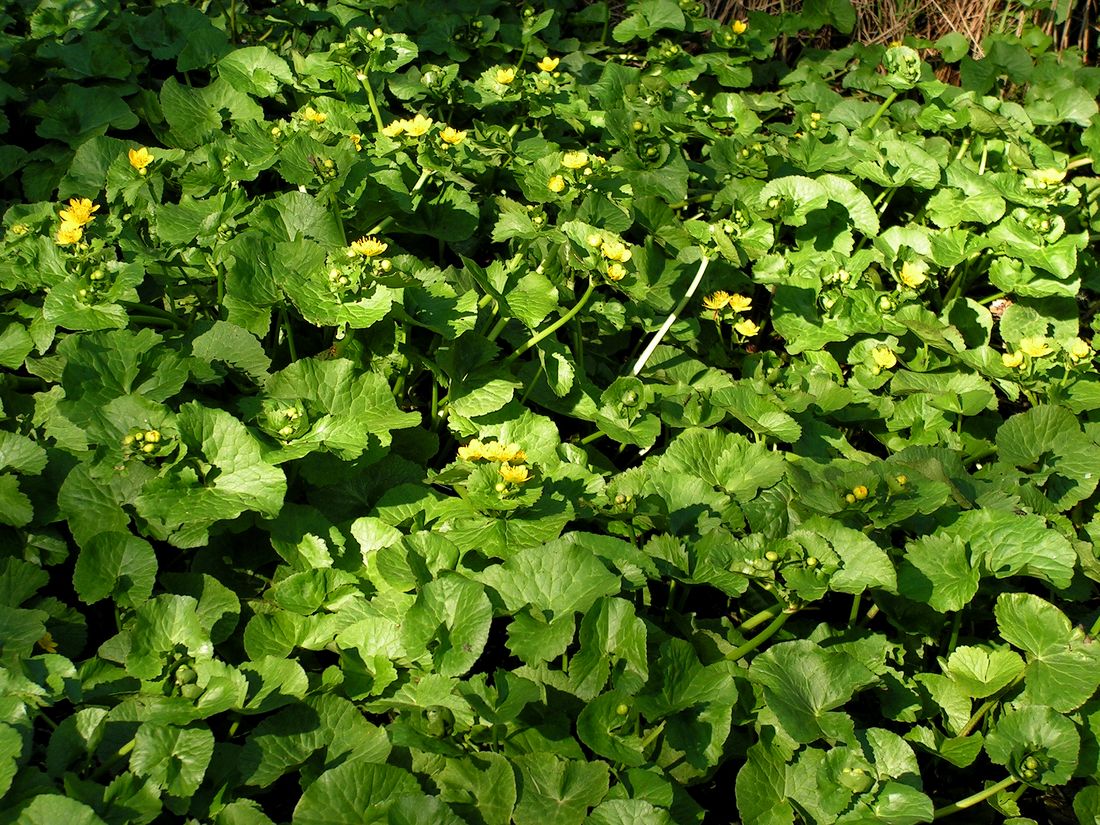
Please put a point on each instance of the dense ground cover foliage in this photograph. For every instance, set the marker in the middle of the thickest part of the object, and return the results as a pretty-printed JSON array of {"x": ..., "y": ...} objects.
[{"x": 506, "y": 415}]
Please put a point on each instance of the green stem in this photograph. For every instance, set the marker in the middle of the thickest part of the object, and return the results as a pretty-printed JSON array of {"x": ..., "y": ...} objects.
[
  {"x": 148, "y": 309},
  {"x": 853, "y": 614},
  {"x": 986, "y": 706},
  {"x": 558, "y": 324},
  {"x": 122, "y": 753},
  {"x": 588, "y": 439},
  {"x": 498, "y": 328},
  {"x": 289, "y": 334},
  {"x": 761, "y": 637},
  {"x": 956, "y": 623},
  {"x": 752, "y": 622},
  {"x": 882, "y": 110},
  {"x": 435, "y": 401},
  {"x": 1078, "y": 163},
  {"x": 971, "y": 801},
  {"x": 371, "y": 101}
]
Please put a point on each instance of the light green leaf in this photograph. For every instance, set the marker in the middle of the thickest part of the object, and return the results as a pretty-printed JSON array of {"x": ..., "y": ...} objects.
[
  {"x": 451, "y": 618},
  {"x": 556, "y": 791},
  {"x": 256, "y": 70},
  {"x": 982, "y": 671},
  {"x": 937, "y": 571},
  {"x": 173, "y": 759},
  {"x": 803, "y": 683},
  {"x": 354, "y": 793},
  {"x": 1063, "y": 668},
  {"x": 1040, "y": 733},
  {"x": 119, "y": 565},
  {"x": 567, "y": 581},
  {"x": 229, "y": 476}
]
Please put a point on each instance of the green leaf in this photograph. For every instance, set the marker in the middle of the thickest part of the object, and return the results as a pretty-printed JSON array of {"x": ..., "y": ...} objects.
[
  {"x": 1063, "y": 668},
  {"x": 982, "y": 671},
  {"x": 161, "y": 624},
  {"x": 938, "y": 572},
  {"x": 563, "y": 583},
  {"x": 725, "y": 460},
  {"x": 255, "y": 70},
  {"x": 15, "y": 508},
  {"x": 481, "y": 787},
  {"x": 803, "y": 683},
  {"x": 1048, "y": 441},
  {"x": 173, "y": 759},
  {"x": 116, "y": 565},
  {"x": 354, "y": 793},
  {"x": 606, "y": 725},
  {"x": 1008, "y": 544},
  {"x": 556, "y": 791},
  {"x": 451, "y": 618},
  {"x": 50, "y": 809},
  {"x": 761, "y": 788},
  {"x": 1040, "y": 733},
  {"x": 229, "y": 476}
]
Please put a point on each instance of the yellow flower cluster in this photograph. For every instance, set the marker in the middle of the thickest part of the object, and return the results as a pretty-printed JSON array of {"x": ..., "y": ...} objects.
[
  {"x": 74, "y": 219},
  {"x": 505, "y": 76},
  {"x": 884, "y": 358},
  {"x": 575, "y": 160},
  {"x": 506, "y": 454},
  {"x": 313, "y": 116},
  {"x": 912, "y": 274},
  {"x": 722, "y": 300},
  {"x": 556, "y": 184},
  {"x": 368, "y": 246},
  {"x": 514, "y": 475},
  {"x": 140, "y": 159},
  {"x": 548, "y": 63},
  {"x": 1079, "y": 349},
  {"x": 739, "y": 27},
  {"x": 452, "y": 136},
  {"x": 414, "y": 127}
]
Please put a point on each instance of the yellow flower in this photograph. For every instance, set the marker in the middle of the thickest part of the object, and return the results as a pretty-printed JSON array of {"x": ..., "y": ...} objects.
[
  {"x": 548, "y": 63},
  {"x": 616, "y": 272},
  {"x": 716, "y": 300},
  {"x": 69, "y": 233},
  {"x": 615, "y": 250},
  {"x": 860, "y": 492},
  {"x": 472, "y": 451},
  {"x": 912, "y": 274},
  {"x": 395, "y": 129},
  {"x": 514, "y": 475},
  {"x": 368, "y": 246},
  {"x": 739, "y": 27},
  {"x": 313, "y": 116},
  {"x": 505, "y": 76},
  {"x": 739, "y": 303},
  {"x": 418, "y": 126},
  {"x": 1012, "y": 360},
  {"x": 556, "y": 184},
  {"x": 453, "y": 136},
  {"x": 747, "y": 328},
  {"x": 47, "y": 643},
  {"x": 1036, "y": 346},
  {"x": 140, "y": 158},
  {"x": 79, "y": 212},
  {"x": 575, "y": 160},
  {"x": 357, "y": 142},
  {"x": 20, "y": 229},
  {"x": 1079, "y": 349},
  {"x": 884, "y": 358}
]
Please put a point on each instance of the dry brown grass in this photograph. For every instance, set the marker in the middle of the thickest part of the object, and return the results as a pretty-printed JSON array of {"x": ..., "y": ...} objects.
[{"x": 884, "y": 21}]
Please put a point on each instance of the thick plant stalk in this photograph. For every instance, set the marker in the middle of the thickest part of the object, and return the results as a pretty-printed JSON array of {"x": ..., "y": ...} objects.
[{"x": 671, "y": 319}]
